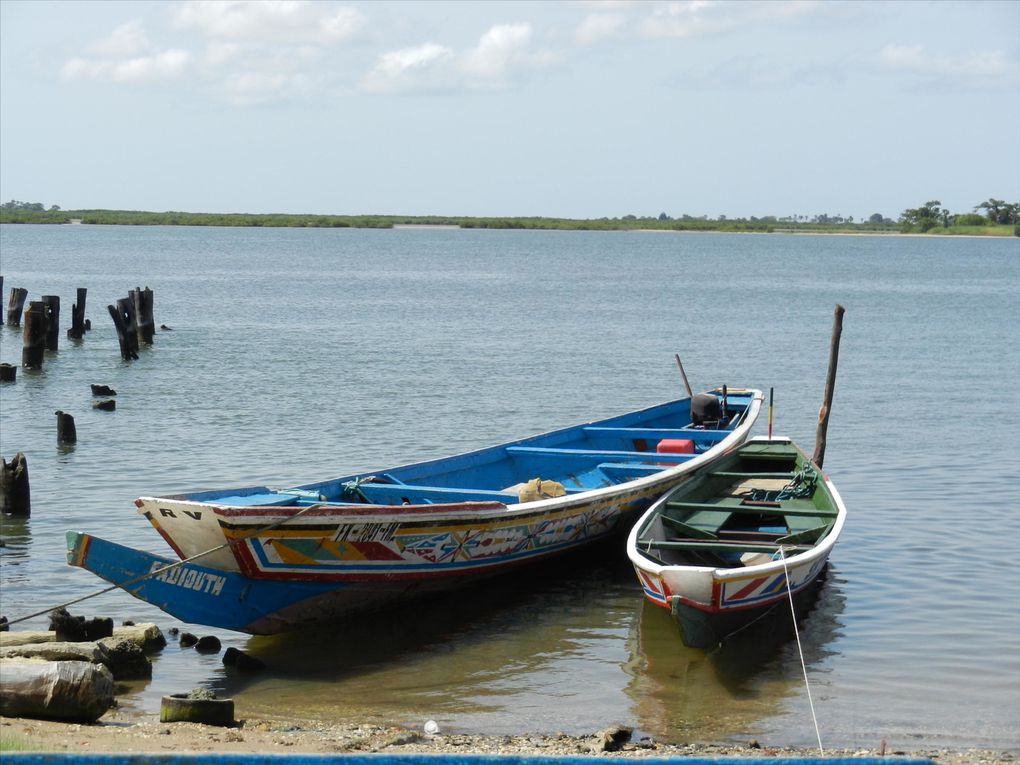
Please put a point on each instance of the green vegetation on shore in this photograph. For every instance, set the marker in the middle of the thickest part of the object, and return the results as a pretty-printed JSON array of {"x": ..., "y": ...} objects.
[{"x": 941, "y": 222}]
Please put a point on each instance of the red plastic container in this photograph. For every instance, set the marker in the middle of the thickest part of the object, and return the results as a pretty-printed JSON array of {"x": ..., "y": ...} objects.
[{"x": 675, "y": 446}]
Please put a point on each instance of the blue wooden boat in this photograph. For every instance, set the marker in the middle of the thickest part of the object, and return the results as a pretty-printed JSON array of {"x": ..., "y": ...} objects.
[{"x": 264, "y": 560}]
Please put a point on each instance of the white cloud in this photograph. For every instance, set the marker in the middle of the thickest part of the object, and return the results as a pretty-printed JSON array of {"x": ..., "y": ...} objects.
[
  {"x": 981, "y": 69},
  {"x": 499, "y": 49},
  {"x": 503, "y": 54},
  {"x": 699, "y": 18},
  {"x": 126, "y": 40},
  {"x": 423, "y": 67},
  {"x": 169, "y": 64},
  {"x": 598, "y": 26},
  {"x": 270, "y": 21}
]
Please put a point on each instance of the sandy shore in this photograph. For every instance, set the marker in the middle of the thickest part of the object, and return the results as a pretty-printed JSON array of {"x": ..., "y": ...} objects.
[{"x": 117, "y": 735}]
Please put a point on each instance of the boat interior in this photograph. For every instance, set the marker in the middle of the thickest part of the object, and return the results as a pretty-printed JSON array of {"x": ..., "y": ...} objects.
[
  {"x": 763, "y": 498},
  {"x": 567, "y": 461}
]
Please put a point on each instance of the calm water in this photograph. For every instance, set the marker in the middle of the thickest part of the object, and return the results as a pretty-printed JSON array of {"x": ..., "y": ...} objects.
[{"x": 299, "y": 354}]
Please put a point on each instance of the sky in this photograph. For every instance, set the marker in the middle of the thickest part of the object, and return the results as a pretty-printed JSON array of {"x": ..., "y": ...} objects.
[{"x": 562, "y": 109}]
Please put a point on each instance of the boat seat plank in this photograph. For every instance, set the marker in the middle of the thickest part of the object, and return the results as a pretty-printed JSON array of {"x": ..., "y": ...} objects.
[
  {"x": 657, "y": 434},
  {"x": 540, "y": 451},
  {"x": 732, "y": 505},
  {"x": 732, "y": 474},
  {"x": 717, "y": 546}
]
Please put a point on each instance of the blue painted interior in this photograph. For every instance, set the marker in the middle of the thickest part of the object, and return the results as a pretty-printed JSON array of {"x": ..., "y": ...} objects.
[{"x": 581, "y": 458}]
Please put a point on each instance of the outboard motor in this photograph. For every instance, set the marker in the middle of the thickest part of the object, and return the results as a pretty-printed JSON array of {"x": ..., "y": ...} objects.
[{"x": 706, "y": 411}]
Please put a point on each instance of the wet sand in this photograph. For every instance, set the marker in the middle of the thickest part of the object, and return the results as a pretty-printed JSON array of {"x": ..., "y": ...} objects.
[{"x": 114, "y": 734}]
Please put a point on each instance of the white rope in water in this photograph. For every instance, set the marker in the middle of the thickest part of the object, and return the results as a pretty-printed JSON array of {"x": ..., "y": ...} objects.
[{"x": 803, "y": 666}]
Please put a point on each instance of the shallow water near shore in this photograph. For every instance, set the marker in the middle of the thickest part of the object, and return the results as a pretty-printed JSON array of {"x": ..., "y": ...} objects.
[{"x": 299, "y": 354}]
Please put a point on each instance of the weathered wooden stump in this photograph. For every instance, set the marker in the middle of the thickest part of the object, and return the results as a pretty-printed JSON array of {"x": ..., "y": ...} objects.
[
  {"x": 102, "y": 390},
  {"x": 52, "y": 304},
  {"x": 15, "y": 495},
  {"x": 34, "y": 335},
  {"x": 77, "y": 330},
  {"x": 15, "y": 305},
  {"x": 123, "y": 316},
  {"x": 66, "y": 432},
  {"x": 108, "y": 405},
  {"x": 142, "y": 300},
  {"x": 8, "y": 372}
]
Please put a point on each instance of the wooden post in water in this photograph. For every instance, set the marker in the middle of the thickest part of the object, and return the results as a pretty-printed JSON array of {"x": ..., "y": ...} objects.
[
  {"x": 66, "y": 432},
  {"x": 142, "y": 300},
  {"x": 123, "y": 316},
  {"x": 77, "y": 330},
  {"x": 15, "y": 495},
  {"x": 830, "y": 384},
  {"x": 8, "y": 372},
  {"x": 15, "y": 305},
  {"x": 52, "y": 303},
  {"x": 34, "y": 335}
]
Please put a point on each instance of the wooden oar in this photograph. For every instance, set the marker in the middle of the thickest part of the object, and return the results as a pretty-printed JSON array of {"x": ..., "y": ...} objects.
[{"x": 683, "y": 374}]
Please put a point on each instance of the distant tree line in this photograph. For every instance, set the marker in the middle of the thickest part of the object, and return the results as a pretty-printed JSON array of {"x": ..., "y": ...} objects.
[
  {"x": 14, "y": 204},
  {"x": 932, "y": 215},
  {"x": 998, "y": 219}
]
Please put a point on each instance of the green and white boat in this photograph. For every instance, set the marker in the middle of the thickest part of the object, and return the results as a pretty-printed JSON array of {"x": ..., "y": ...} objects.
[{"x": 745, "y": 536}]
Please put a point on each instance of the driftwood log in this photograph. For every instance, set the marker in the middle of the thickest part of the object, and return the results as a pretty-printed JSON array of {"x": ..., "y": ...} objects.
[{"x": 76, "y": 691}]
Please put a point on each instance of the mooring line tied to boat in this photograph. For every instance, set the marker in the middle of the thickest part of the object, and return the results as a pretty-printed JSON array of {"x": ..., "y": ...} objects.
[
  {"x": 800, "y": 651},
  {"x": 163, "y": 569}
]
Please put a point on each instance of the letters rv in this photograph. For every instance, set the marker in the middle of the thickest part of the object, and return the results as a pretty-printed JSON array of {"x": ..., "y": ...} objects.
[
  {"x": 189, "y": 578},
  {"x": 168, "y": 513}
]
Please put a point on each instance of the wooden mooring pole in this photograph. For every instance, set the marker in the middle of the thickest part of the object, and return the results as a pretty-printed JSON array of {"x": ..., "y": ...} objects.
[
  {"x": 123, "y": 316},
  {"x": 830, "y": 384},
  {"x": 15, "y": 495},
  {"x": 52, "y": 303},
  {"x": 77, "y": 330},
  {"x": 15, "y": 305},
  {"x": 66, "y": 432},
  {"x": 34, "y": 335},
  {"x": 142, "y": 300}
]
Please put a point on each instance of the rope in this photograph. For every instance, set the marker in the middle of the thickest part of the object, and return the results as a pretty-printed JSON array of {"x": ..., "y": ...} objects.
[
  {"x": 801, "y": 486},
  {"x": 800, "y": 650},
  {"x": 125, "y": 584}
]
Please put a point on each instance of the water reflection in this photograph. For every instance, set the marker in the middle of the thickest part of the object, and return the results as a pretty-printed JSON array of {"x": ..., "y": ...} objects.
[
  {"x": 682, "y": 694},
  {"x": 500, "y": 657},
  {"x": 15, "y": 545}
]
